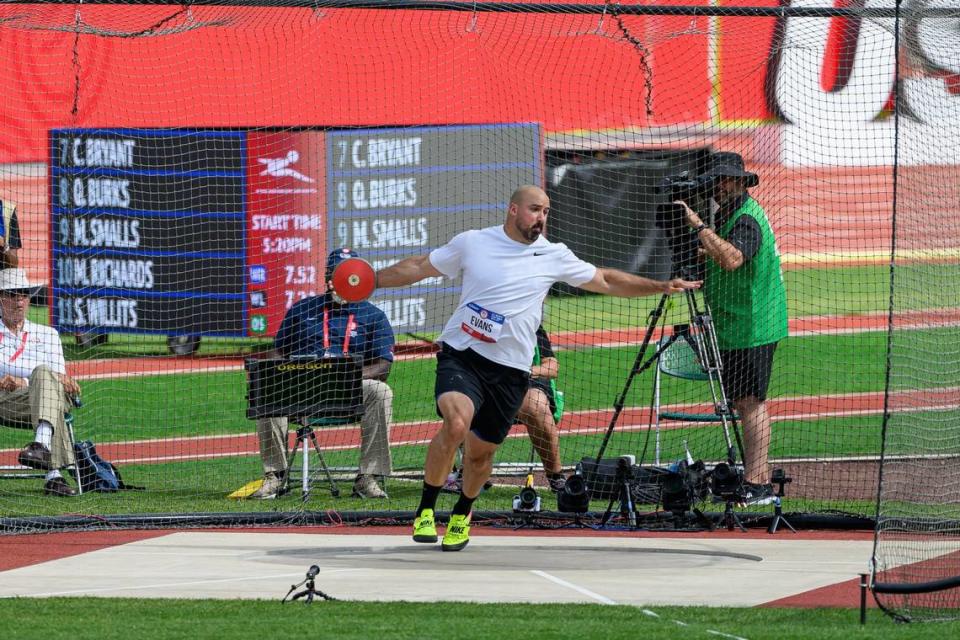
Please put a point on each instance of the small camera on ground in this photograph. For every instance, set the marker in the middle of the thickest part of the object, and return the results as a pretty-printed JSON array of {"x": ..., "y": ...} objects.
[
  {"x": 727, "y": 482},
  {"x": 575, "y": 497},
  {"x": 684, "y": 486},
  {"x": 527, "y": 501},
  {"x": 625, "y": 467}
]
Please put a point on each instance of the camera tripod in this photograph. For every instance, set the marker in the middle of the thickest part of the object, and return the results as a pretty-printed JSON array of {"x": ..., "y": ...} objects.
[
  {"x": 780, "y": 479},
  {"x": 306, "y": 433},
  {"x": 627, "y": 508},
  {"x": 700, "y": 334},
  {"x": 730, "y": 518}
]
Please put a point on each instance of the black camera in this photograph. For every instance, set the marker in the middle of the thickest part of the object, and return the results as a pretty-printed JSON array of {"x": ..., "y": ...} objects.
[
  {"x": 695, "y": 190},
  {"x": 625, "y": 468},
  {"x": 687, "y": 186},
  {"x": 727, "y": 482},
  {"x": 527, "y": 500},
  {"x": 683, "y": 487},
  {"x": 574, "y": 498}
]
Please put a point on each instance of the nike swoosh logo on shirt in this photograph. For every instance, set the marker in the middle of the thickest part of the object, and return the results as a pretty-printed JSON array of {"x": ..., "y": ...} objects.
[{"x": 542, "y": 253}]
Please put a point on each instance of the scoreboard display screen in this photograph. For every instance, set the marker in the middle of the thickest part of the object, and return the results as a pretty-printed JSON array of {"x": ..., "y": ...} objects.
[
  {"x": 212, "y": 232},
  {"x": 394, "y": 193}
]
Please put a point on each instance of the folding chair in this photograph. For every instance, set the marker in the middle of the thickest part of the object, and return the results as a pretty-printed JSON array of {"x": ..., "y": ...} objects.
[
  {"x": 18, "y": 471},
  {"x": 313, "y": 393},
  {"x": 679, "y": 360},
  {"x": 307, "y": 432}
]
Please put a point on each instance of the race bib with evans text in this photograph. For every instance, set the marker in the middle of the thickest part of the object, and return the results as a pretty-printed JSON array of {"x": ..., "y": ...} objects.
[{"x": 481, "y": 323}]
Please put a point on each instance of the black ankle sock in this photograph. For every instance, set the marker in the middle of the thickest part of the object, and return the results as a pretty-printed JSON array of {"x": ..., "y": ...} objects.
[
  {"x": 463, "y": 506},
  {"x": 554, "y": 476},
  {"x": 428, "y": 499}
]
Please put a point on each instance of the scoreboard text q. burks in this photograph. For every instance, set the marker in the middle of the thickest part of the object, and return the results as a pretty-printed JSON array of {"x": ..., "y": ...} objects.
[{"x": 212, "y": 232}]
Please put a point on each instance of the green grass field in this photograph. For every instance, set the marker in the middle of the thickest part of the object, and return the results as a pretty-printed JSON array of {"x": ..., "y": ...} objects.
[
  {"x": 55, "y": 619},
  {"x": 209, "y": 404},
  {"x": 214, "y": 403},
  {"x": 189, "y": 405}
]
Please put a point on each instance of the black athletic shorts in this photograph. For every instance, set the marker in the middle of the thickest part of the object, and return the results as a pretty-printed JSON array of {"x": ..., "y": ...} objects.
[
  {"x": 746, "y": 372},
  {"x": 497, "y": 391}
]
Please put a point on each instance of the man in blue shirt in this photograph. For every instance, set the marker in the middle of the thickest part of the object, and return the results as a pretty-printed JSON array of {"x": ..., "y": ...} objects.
[
  {"x": 10, "y": 242},
  {"x": 325, "y": 325}
]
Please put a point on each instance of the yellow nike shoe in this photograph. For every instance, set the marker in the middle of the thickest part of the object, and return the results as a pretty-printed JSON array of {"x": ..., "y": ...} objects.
[
  {"x": 458, "y": 533},
  {"x": 425, "y": 527}
]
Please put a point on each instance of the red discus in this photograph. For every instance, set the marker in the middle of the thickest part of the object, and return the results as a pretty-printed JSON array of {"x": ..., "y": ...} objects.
[{"x": 354, "y": 280}]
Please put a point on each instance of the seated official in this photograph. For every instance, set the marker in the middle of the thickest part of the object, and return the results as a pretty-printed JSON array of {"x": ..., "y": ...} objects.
[
  {"x": 319, "y": 326},
  {"x": 539, "y": 413},
  {"x": 35, "y": 390},
  {"x": 539, "y": 410}
]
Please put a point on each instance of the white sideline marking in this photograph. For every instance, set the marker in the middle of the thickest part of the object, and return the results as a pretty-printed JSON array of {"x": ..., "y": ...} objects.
[
  {"x": 817, "y": 257},
  {"x": 581, "y": 431},
  {"x": 158, "y": 585},
  {"x": 681, "y": 623},
  {"x": 563, "y": 583},
  {"x": 918, "y": 324},
  {"x": 724, "y": 635},
  {"x": 164, "y": 585}
]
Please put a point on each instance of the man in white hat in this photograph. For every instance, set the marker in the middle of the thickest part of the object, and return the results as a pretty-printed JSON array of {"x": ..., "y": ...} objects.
[{"x": 35, "y": 389}]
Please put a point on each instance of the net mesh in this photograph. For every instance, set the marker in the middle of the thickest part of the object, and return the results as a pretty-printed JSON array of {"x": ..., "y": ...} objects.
[{"x": 181, "y": 173}]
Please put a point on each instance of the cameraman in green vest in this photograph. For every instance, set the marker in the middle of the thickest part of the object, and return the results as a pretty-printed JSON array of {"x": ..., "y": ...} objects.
[{"x": 744, "y": 287}]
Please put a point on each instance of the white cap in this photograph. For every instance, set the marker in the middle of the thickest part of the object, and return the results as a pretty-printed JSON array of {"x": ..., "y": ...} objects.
[{"x": 15, "y": 280}]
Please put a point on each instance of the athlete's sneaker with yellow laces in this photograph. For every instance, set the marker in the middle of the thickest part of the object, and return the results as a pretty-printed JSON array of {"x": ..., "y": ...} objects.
[
  {"x": 425, "y": 527},
  {"x": 458, "y": 533}
]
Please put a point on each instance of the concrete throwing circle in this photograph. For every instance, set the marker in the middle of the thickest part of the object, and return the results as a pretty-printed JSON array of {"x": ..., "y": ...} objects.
[{"x": 484, "y": 557}]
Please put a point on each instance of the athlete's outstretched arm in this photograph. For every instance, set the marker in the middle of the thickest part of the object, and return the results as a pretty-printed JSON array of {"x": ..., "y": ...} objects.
[
  {"x": 407, "y": 271},
  {"x": 612, "y": 282}
]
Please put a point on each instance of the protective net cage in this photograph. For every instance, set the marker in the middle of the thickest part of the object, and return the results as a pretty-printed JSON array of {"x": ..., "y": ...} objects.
[{"x": 179, "y": 174}]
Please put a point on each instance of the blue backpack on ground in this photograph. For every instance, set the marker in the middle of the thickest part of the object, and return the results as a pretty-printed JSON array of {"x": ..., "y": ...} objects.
[{"x": 96, "y": 474}]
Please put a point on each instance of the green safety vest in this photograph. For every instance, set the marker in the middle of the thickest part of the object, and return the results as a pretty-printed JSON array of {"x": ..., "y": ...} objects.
[
  {"x": 558, "y": 399},
  {"x": 748, "y": 304}
]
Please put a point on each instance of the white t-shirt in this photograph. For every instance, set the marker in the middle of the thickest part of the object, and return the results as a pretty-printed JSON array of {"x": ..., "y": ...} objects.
[
  {"x": 35, "y": 344},
  {"x": 504, "y": 284}
]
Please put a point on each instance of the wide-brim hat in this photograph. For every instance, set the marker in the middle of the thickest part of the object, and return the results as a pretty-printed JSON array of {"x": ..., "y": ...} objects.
[
  {"x": 730, "y": 164},
  {"x": 15, "y": 280}
]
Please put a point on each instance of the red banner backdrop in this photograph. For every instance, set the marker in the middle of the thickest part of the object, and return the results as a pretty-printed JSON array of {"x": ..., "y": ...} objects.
[{"x": 249, "y": 66}]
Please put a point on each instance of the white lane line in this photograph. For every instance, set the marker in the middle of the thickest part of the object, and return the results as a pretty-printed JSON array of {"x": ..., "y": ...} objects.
[
  {"x": 167, "y": 585},
  {"x": 681, "y": 623},
  {"x": 569, "y": 585},
  {"x": 724, "y": 635}
]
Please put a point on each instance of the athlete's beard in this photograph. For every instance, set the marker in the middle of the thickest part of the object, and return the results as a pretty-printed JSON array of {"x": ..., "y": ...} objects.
[{"x": 531, "y": 233}]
